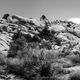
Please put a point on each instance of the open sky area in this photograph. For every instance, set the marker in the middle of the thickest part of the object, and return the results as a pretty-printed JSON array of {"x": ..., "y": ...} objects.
[{"x": 53, "y": 9}]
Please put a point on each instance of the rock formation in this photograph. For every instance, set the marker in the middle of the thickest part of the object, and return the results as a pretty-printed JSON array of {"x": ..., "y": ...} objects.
[{"x": 58, "y": 38}]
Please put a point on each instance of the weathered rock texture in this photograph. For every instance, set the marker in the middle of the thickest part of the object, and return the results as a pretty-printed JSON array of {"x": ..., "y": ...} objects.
[{"x": 60, "y": 39}]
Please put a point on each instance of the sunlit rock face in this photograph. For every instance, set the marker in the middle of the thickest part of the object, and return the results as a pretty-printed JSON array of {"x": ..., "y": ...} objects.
[
  {"x": 75, "y": 20},
  {"x": 57, "y": 28},
  {"x": 5, "y": 40}
]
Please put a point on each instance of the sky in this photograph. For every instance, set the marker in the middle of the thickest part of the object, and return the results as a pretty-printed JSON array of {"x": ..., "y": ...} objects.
[{"x": 52, "y": 9}]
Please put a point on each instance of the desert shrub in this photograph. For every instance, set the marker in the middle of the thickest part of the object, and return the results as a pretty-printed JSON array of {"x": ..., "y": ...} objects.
[
  {"x": 32, "y": 45},
  {"x": 35, "y": 38},
  {"x": 58, "y": 41},
  {"x": 45, "y": 70},
  {"x": 77, "y": 53},
  {"x": 75, "y": 59},
  {"x": 64, "y": 54},
  {"x": 29, "y": 59},
  {"x": 3, "y": 59},
  {"x": 75, "y": 76},
  {"x": 16, "y": 45},
  {"x": 46, "y": 34},
  {"x": 51, "y": 55},
  {"x": 31, "y": 64},
  {"x": 46, "y": 44},
  {"x": 6, "y": 16},
  {"x": 15, "y": 66}
]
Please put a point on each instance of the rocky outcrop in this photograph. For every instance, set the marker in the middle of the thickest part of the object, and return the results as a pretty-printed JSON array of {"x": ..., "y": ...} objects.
[
  {"x": 58, "y": 38},
  {"x": 11, "y": 24}
]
